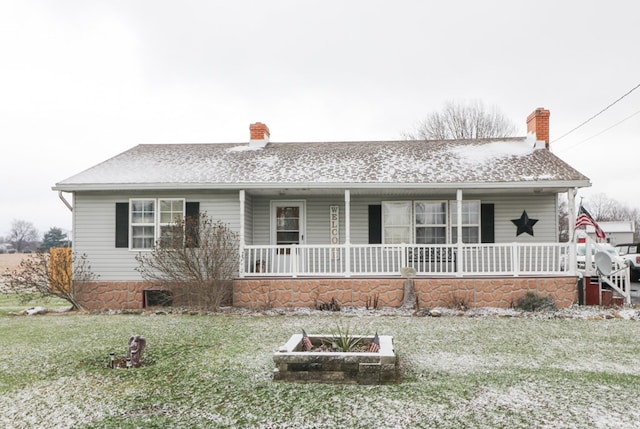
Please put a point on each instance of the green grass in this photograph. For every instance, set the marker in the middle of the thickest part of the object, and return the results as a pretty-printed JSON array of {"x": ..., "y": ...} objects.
[
  {"x": 10, "y": 303},
  {"x": 208, "y": 371}
]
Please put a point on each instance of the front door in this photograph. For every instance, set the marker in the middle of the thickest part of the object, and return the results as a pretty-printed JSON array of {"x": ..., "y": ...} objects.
[{"x": 287, "y": 229}]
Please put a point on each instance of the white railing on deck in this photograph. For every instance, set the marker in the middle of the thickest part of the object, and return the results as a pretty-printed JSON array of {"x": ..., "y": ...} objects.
[
  {"x": 619, "y": 279},
  {"x": 381, "y": 259}
]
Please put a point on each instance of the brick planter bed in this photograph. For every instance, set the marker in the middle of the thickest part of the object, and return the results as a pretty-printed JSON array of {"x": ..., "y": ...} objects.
[{"x": 295, "y": 364}]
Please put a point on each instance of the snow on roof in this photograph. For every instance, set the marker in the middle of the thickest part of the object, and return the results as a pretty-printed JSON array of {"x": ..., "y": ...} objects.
[{"x": 383, "y": 162}]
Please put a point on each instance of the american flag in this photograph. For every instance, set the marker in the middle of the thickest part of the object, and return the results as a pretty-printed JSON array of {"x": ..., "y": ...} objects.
[
  {"x": 306, "y": 342},
  {"x": 374, "y": 346},
  {"x": 584, "y": 219}
]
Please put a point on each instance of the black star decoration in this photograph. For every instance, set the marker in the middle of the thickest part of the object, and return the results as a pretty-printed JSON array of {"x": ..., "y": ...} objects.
[{"x": 524, "y": 224}]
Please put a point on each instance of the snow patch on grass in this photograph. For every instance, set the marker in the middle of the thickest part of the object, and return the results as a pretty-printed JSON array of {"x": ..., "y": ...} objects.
[
  {"x": 59, "y": 403},
  {"x": 573, "y": 368}
]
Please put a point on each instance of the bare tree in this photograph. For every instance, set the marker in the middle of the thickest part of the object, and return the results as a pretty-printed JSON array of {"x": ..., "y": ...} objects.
[
  {"x": 196, "y": 262},
  {"x": 21, "y": 234},
  {"x": 60, "y": 274},
  {"x": 456, "y": 120},
  {"x": 603, "y": 208}
]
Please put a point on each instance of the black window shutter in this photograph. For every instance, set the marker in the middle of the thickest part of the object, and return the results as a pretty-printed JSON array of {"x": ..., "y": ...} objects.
[
  {"x": 375, "y": 224},
  {"x": 122, "y": 224},
  {"x": 192, "y": 220},
  {"x": 487, "y": 226}
]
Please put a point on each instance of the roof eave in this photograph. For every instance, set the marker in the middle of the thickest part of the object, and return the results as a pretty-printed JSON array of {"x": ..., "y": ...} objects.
[{"x": 558, "y": 184}]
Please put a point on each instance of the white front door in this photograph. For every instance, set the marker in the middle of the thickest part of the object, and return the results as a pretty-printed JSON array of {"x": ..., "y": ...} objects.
[{"x": 287, "y": 229}]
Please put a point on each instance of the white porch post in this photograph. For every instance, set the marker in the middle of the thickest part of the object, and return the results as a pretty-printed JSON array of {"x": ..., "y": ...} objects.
[
  {"x": 347, "y": 232},
  {"x": 241, "y": 238},
  {"x": 572, "y": 263},
  {"x": 459, "y": 229},
  {"x": 571, "y": 196}
]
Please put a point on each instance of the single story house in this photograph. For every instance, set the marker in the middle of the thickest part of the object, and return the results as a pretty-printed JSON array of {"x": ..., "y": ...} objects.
[{"x": 471, "y": 220}]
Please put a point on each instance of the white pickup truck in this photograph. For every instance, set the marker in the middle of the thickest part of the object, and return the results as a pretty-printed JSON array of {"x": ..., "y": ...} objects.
[{"x": 631, "y": 253}]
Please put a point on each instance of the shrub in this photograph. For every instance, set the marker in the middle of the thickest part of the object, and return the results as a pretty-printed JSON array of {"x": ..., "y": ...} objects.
[
  {"x": 58, "y": 273},
  {"x": 196, "y": 262},
  {"x": 457, "y": 302},
  {"x": 332, "y": 305},
  {"x": 372, "y": 301},
  {"x": 531, "y": 301}
]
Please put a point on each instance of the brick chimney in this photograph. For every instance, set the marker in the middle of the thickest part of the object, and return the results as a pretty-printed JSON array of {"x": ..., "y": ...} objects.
[
  {"x": 259, "y": 135},
  {"x": 538, "y": 124}
]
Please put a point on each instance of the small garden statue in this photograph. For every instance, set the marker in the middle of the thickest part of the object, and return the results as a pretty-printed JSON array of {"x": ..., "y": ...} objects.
[{"x": 136, "y": 347}]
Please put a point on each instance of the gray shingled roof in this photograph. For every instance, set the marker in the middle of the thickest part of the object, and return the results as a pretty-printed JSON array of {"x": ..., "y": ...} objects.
[{"x": 478, "y": 163}]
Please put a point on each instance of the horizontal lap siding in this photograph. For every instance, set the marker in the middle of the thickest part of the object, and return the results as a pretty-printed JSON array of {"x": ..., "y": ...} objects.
[
  {"x": 94, "y": 216},
  {"x": 260, "y": 224},
  {"x": 94, "y": 228},
  {"x": 541, "y": 207},
  {"x": 94, "y": 235},
  {"x": 248, "y": 219},
  {"x": 317, "y": 219},
  {"x": 360, "y": 219}
]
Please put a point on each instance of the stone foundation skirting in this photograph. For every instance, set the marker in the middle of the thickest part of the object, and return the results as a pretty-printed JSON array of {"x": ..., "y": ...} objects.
[
  {"x": 356, "y": 292},
  {"x": 430, "y": 292},
  {"x": 132, "y": 295},
  {"x": 112, "y": 295}
]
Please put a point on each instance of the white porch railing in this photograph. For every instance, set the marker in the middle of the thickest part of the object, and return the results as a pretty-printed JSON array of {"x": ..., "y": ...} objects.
[
  {"x": 618, "y": 279},
  {"x": 387, "y": 260}
]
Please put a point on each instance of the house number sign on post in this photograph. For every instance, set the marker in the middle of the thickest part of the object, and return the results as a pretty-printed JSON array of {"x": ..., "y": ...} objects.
[{"x": 334, "y": 213}]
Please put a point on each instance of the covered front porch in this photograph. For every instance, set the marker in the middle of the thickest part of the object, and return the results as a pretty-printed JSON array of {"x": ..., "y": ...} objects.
[{"x": 328, "y": 249}]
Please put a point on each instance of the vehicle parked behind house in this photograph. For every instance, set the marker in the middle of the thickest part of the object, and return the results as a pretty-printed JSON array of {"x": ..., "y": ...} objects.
[
  {"x": 631, "y": 252},
  {"x": 581, "y": 251}
]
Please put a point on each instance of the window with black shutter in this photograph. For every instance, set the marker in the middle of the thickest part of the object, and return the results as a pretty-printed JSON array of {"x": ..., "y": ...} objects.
[
  {"x": 192, "y": 223},
  {"x": 375, "y": 224},
  {"x": 487, "y": 225},
  {"x": 122, "y": 224},
  {"x": 152, "y": 221}
]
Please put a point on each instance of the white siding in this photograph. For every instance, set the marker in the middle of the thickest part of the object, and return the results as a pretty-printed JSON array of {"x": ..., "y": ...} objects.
[
  {"x": 94, "y": 227},
  {"x": 360, "y": 218},
  {"x": 541, "y": 207},
  {"x": 317, "y": 218},
  {"x": 248, "y": 218},
  {"x": 94, "y": 221},
  {"x": 260, "y": 220}
]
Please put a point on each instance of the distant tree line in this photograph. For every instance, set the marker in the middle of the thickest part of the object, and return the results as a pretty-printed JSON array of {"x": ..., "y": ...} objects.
[
  {"x": 603, "y": 209},
  {"x": 24, "y": 237}
]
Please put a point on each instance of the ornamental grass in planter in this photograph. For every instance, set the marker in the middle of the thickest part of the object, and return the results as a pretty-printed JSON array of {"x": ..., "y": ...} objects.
[{"x": 340, "y": 357}]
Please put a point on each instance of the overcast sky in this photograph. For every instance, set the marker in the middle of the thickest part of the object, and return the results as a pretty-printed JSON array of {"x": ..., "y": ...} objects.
[{"x": 81, "y": 81}]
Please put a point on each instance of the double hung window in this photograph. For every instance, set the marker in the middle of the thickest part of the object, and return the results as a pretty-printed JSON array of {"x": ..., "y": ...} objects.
[
  {"x": 470, "y": 221},
  {"x": 153, "y": 220},
  {"x": 430, "y": 222},
  {"x": 396, "y": 216}
]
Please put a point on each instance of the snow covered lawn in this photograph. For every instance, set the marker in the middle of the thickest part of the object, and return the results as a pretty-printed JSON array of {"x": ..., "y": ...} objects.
[{"x": 575, "y": 369}]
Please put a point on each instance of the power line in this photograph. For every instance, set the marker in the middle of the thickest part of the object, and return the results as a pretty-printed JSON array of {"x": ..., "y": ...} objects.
[
  {"x": 597, "y": 114},
  {"x": 600, "y": 133}
]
